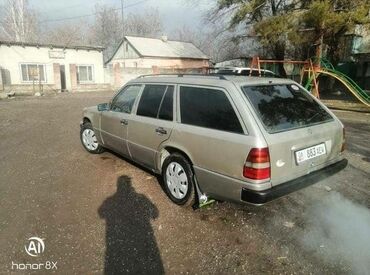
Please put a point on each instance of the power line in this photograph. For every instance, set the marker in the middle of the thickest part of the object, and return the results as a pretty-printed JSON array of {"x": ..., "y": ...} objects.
[{"x": 92, "y": 14}]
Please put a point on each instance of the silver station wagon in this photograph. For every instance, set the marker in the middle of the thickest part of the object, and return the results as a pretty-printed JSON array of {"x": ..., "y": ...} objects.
[{"x": 243, "y": 139}]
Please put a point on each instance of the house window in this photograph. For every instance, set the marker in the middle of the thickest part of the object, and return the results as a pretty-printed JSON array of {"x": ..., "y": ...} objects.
[
  {"x": 85, "y": 73},
  {"x": 33, "y": 72},
  {"x": 126, "y": 47}
]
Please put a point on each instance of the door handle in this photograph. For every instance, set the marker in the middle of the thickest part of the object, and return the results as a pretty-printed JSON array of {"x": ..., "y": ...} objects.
[
  {"x": 160, "y": 131},
  {"x": 124, "y": 121}
]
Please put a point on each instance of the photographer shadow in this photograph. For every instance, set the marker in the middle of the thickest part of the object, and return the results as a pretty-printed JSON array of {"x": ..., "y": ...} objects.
[{"x": 130, "y": 242}]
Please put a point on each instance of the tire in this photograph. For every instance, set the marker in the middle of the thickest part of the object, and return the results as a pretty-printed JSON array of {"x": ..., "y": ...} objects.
[
  {"x": 88, "y": 139},
  {"x": 178, "y": 180}
]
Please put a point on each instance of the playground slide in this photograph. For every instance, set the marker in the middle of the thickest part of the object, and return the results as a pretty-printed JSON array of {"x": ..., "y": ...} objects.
[{"x": 352, "y": 86}]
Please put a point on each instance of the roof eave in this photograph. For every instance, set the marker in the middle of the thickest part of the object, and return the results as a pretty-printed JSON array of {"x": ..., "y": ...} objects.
[
  {"x": 41, "y": 45},
  {"x": 176, "y": 57}
]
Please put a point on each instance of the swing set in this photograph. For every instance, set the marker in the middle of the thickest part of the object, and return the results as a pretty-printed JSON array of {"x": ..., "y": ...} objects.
[
  {"x": 307, "y": 73},
  {"x": 298, "y": 70}
]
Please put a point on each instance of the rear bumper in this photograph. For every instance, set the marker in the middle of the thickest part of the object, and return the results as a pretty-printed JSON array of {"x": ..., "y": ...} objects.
[{"x": 260, "y": 197}]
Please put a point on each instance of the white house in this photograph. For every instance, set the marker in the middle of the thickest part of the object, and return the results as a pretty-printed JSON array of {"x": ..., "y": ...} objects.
[
  {"x": 141, "y": 55},
  {"x": 29, "y": 67}
]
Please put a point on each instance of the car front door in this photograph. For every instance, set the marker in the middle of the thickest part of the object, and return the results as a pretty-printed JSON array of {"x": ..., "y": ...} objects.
[
  {"x": 152, "y": 124},
  {"x": 114, "y": 122}
]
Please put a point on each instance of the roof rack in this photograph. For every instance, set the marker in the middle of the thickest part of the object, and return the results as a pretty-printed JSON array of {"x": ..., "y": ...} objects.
[{"x": 184, "y": 75}]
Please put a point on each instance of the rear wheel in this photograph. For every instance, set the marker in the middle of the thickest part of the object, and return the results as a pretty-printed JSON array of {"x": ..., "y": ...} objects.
[
  {"x": 89, "y": 140},
  {"x": 178, "y": 179}
]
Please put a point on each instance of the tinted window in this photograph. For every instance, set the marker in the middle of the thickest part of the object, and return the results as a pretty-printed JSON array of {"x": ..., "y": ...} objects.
[
  {"x": 255, "y": 73},
  {"x": 150, "y": 100},
  {"x": 124, "y": 101},
  {"x": 269, "y": 74},
  {"x": 226, "y": 72},
  {"x": 166, "y": 109},
  {"x": 208, "y": 108},
  {"x": 284, "y": 107},
  {"x": 250, "y": 73}
]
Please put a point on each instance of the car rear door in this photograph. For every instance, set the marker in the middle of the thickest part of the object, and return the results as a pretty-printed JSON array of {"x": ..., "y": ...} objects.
[
  {"x": 211, "y": 132},
  {"x": 152, "y": 123},
  {"x": 302, "y": 135},
  {"x": 114, "y": 122}
]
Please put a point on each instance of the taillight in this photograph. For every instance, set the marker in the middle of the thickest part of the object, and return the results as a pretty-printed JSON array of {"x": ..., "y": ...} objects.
[
  {"x": 343, "y": 140},
  {"x": 257, "y": 165}
]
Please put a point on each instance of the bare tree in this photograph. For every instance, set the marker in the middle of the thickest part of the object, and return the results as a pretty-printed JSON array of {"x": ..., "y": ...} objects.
[
  {"x": 20, "y": 22},
  {"x": 148, "y": 23},
  {"x": 216, "y": 42},
  {"x": 67, "y": 34},
  {"x": 107, "y": 30},
  {"x": 215, "y": 36}
]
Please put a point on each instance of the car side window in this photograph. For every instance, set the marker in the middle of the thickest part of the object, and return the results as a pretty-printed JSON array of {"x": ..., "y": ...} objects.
[
  {"x": 245, "y": 72},
  {"x": 124, "y": 101},
  {"x": 155, "y": 102},
  {"x": 166, "y": 108},
  {"x": 208, "y": 108},
  {"x": 255, "y": 73}
]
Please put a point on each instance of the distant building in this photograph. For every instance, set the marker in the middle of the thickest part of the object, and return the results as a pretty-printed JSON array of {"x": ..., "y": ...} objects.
[
  {"x": 30, "y": 67},
  {"x": 362, "y": 57},
  {"x": 139, "y": 55},
  {"x": 355, "y": 56}
]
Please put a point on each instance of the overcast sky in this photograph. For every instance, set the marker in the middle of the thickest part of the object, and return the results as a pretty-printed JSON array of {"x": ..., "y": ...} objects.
[{"x": 174, "y": 13}]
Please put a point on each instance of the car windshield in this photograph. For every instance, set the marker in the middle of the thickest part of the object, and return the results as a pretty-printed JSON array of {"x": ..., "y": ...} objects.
[{"x": 285, "y": 107}]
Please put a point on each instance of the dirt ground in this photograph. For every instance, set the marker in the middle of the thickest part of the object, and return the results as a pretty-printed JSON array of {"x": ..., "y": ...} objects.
[{"x": 102, "y": 213}]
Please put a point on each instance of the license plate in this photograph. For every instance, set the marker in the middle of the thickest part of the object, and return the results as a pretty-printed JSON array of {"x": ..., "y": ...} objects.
[{"x": 310, "y": 153}]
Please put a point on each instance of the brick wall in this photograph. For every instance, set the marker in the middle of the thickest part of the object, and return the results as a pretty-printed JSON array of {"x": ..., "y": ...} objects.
[{"x": 119, "y": 73}]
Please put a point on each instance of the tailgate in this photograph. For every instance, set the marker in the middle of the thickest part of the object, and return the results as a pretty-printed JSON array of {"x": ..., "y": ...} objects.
[
  {"x": 298, "y": 152},
  {"x": 302, "y": 135}
]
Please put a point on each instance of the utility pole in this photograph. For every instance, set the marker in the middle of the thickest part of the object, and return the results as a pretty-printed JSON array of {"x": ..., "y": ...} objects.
[
  {"x": 123, "y": 26},
  {"x": 123, "y": 31}
]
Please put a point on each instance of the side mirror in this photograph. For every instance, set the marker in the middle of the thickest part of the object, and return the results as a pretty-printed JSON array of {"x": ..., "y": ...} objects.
[{"x": 103, "y": 107}]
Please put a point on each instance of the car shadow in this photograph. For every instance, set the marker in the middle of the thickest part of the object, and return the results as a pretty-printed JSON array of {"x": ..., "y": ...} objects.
[{"x": 130, "y": 242}]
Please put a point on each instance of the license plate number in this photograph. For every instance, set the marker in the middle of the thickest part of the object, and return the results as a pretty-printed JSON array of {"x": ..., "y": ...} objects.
[{"x": 310, "y": 153}]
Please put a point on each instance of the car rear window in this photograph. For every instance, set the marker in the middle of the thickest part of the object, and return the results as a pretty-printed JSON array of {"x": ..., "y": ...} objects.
[{"x": 285, "y": 107}]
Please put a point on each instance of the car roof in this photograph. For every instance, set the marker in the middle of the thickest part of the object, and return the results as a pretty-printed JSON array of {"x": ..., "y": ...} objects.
[{"x": 211, "y": 80}]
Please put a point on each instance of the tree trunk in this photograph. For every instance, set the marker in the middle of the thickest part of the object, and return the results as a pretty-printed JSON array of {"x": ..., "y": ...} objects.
[{"x": 279, "y": 54}]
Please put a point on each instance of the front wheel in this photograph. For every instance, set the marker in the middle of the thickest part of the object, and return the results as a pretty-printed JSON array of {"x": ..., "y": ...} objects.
[
  {"x": 178, "y": 179},
  {"x": 89, "y": 140}
]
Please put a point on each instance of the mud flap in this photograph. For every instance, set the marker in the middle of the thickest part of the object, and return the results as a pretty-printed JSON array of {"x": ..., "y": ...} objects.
[{"x": 203, "y": 200}]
